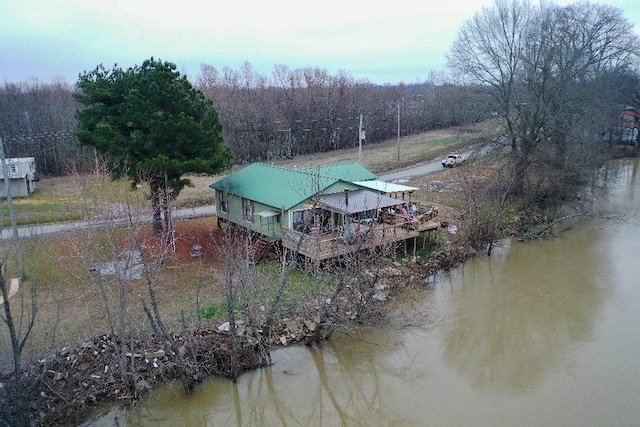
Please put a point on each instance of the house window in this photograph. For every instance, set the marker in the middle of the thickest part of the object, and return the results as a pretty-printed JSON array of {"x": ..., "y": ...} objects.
[
  {"x": 247, "y": 209},
  {"x": 224, "y": 203},
  {"x": 303, "y": 220}
]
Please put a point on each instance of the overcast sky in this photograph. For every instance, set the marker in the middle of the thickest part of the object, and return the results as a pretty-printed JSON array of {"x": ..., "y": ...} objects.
[{"x": 384, "y": 42}]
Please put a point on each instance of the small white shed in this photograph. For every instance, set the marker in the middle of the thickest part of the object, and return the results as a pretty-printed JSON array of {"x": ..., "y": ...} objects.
[{"x": 22, "y": 177}]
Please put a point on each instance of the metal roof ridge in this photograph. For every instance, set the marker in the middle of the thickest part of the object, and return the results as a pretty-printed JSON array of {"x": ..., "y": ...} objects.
[{"x": 294, "y": 169}]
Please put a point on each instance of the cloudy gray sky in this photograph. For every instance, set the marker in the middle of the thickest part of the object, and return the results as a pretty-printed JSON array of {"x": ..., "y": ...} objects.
[{"x": 385, "y": 42}]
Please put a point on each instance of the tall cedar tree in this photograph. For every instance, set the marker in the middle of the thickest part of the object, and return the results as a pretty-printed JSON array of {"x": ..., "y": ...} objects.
[{"x": 152, "y": 125}]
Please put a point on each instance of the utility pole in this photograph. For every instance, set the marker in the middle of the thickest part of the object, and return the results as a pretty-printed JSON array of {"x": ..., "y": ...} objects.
[
  {"x": 398, "y": 131},
  {"x": 12, "y": 211},
  {"x": 360, "y": 135}
]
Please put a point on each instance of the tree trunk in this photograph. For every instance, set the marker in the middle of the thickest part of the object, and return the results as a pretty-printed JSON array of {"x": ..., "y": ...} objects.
[
  {"x": 231, "y": 304},
  {"x": 166, "y": 211},
  {"x": 156, "y": 206},
  {"x": 17, "y": 342},
  {"x": 10, "y": 325}
]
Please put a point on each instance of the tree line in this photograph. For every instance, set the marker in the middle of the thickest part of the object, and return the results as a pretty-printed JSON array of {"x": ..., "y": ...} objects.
[
  {"x": 37, "y": 120},
  {"x": 288, "y": 113},
  {"x": 309, "y": 110}
]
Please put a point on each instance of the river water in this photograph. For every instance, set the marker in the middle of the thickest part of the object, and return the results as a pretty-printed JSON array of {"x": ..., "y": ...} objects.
[{"x": 543, "y": 333}]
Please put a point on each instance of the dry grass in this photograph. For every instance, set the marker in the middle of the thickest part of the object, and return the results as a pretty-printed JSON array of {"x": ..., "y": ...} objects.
[
  {"x": 199, "y": 194},
  {"x": 71, "y": 297},
  {"x": 71, "y": 197},
  {"x": 414, "y": 149}
]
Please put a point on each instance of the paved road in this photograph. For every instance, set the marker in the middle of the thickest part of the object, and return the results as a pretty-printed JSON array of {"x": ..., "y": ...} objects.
[
  {"x": 59, "y": 227},
  {"x": 427, "y": 168},
  {"x": 412, "y": 172}
]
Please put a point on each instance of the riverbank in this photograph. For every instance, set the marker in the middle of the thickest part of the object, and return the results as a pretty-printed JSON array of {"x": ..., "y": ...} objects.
[{"x": 65, "y": 387}]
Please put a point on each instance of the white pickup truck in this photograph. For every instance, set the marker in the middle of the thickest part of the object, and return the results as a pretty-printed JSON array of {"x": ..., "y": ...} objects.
[{"x": 452, "y": 160}]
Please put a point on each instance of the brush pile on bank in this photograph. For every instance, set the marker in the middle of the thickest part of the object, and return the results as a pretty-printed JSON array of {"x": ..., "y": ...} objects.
[{"x": 62, "y": 389}]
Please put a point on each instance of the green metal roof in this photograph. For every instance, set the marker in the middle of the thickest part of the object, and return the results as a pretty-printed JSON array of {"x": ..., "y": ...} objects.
[
  {"x": 273, "y": 186},
  {"x": 284, "y": 188},
  {"x": 349, "y": 172}
]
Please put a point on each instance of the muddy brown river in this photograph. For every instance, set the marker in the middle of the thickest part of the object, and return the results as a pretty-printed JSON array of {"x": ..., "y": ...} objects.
[{"x": 543, "y": 333}]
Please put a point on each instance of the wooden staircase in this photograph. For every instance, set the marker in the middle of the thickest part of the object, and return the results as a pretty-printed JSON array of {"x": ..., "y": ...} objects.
[{"x": 260, "y": 248}]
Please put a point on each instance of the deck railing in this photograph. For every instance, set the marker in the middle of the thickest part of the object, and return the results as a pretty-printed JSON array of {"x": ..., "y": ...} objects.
[{"x": 391, "y": 228}]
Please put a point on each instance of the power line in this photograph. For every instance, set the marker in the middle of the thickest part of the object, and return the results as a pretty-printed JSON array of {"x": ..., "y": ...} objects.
[{"x": 34, "y": 137}]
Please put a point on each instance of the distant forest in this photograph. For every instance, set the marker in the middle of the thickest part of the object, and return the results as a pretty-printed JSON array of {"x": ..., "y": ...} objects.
[{"x": 288, "y": 113}]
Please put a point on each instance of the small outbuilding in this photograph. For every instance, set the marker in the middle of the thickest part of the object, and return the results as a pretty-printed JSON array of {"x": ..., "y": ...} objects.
[{"x": 22, "y": 177}]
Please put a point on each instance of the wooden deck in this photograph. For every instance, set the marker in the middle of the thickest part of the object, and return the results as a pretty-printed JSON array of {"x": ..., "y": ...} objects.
[{"x": 318, "y": 246}]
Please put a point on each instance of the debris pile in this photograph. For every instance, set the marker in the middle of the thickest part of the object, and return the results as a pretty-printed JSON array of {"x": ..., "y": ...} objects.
[
  {"x": 62, "y": 388},
  {"x": 448, "y": 258}
]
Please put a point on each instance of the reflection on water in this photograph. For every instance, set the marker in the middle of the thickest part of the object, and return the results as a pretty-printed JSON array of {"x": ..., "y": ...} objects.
[
  {"x": 306, "y": 386},
  {"x": 517, "y": 313},
  {"x": 541, "y": 333}
]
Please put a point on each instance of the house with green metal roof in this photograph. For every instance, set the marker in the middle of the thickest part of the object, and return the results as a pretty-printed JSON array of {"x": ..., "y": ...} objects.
[
  {"x": 289, "y": 205},
  {"x": 264, "y": 198}
]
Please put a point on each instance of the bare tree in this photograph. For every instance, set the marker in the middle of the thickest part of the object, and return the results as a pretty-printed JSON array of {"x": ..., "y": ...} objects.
[
  {"x": 264, "y": 117},
  {"x": 19, "y": 327},
  {"x": 545, "y": 65},
  {"x": 489, "y": 49},
  {"x": 486, "y": 203}
]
